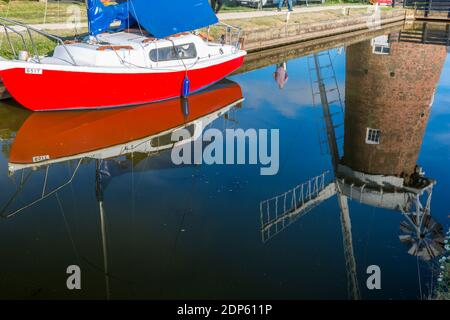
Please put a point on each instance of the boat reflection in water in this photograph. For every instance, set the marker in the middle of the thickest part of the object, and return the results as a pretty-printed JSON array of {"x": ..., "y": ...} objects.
[
  {"x": 387, "y": 105},
  {"x": 120, "y": 141},
  {"x": 47, "y": 138}
]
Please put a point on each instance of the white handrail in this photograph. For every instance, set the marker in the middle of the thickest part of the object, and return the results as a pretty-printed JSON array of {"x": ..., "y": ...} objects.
[{"x": 3, "y": 23}]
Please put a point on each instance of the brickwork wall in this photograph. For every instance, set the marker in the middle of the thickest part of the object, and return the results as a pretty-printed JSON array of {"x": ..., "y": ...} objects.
[{"x": 392, "y": 93}]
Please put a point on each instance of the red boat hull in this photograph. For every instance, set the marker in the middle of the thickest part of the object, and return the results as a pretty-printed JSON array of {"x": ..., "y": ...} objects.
[
  {"x": 69, "y": 90},
  {"x": 64, "y": 134}
]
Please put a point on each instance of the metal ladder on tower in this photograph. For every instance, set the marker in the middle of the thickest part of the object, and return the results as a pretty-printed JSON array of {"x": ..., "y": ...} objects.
[
  {"x": 328, "y": 77},
  {"x": 324, "y": 85}
]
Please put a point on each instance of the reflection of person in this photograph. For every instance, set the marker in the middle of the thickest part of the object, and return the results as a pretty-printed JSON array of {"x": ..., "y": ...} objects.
[
  {"x": 281, "y": 75},
  {"x": 216, "y": 5},
  {"x": 289, "y": 4}
]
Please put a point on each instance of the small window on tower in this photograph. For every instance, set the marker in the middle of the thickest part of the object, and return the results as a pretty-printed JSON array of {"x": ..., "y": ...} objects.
[{"x": 373, "y": 136}]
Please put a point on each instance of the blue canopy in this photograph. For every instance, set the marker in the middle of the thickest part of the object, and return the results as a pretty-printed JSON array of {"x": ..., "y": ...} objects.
[
  {"x": 161, "y": 18},
  {"x": 102, "y": 13}
]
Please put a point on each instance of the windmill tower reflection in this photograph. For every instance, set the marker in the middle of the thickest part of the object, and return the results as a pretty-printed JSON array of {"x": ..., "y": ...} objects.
[{"x": 389, "y": 93}]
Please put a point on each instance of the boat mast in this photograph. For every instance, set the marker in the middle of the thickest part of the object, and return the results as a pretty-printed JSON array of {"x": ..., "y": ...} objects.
[
  {"x": 99, "y": 195},
  {"x": 87, "y": 14}
]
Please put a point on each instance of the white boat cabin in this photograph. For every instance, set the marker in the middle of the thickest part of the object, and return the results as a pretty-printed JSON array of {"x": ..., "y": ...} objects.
[{"x": 133, "y": 50}]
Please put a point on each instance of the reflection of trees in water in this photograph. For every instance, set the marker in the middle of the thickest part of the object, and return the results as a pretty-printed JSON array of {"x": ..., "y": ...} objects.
[
  {"x": 440, "y": 283},
  {"x": 11, "y": 119},
  {"x": 442, "y": 291}
]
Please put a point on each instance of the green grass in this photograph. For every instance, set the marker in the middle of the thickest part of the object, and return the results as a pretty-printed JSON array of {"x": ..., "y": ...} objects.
[
  {"x": 336, "y": 2},
  {"x": 44, "y": 45},
  {"x": 234, "y": 8},
  {"x": 231, "y": 7},
  {"x": 442, "y": 289},
  {"x": 34, "y": 11},
  {"x": 280, "y": 20},
  {"x": 59, "y": 12}
]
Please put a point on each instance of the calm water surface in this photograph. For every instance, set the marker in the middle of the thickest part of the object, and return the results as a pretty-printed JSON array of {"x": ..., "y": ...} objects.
[{"x": 98, "y": 189}]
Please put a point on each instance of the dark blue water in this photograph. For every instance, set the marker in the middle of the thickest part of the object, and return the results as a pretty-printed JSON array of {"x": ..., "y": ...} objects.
[{"x": 195, "y": 232}]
